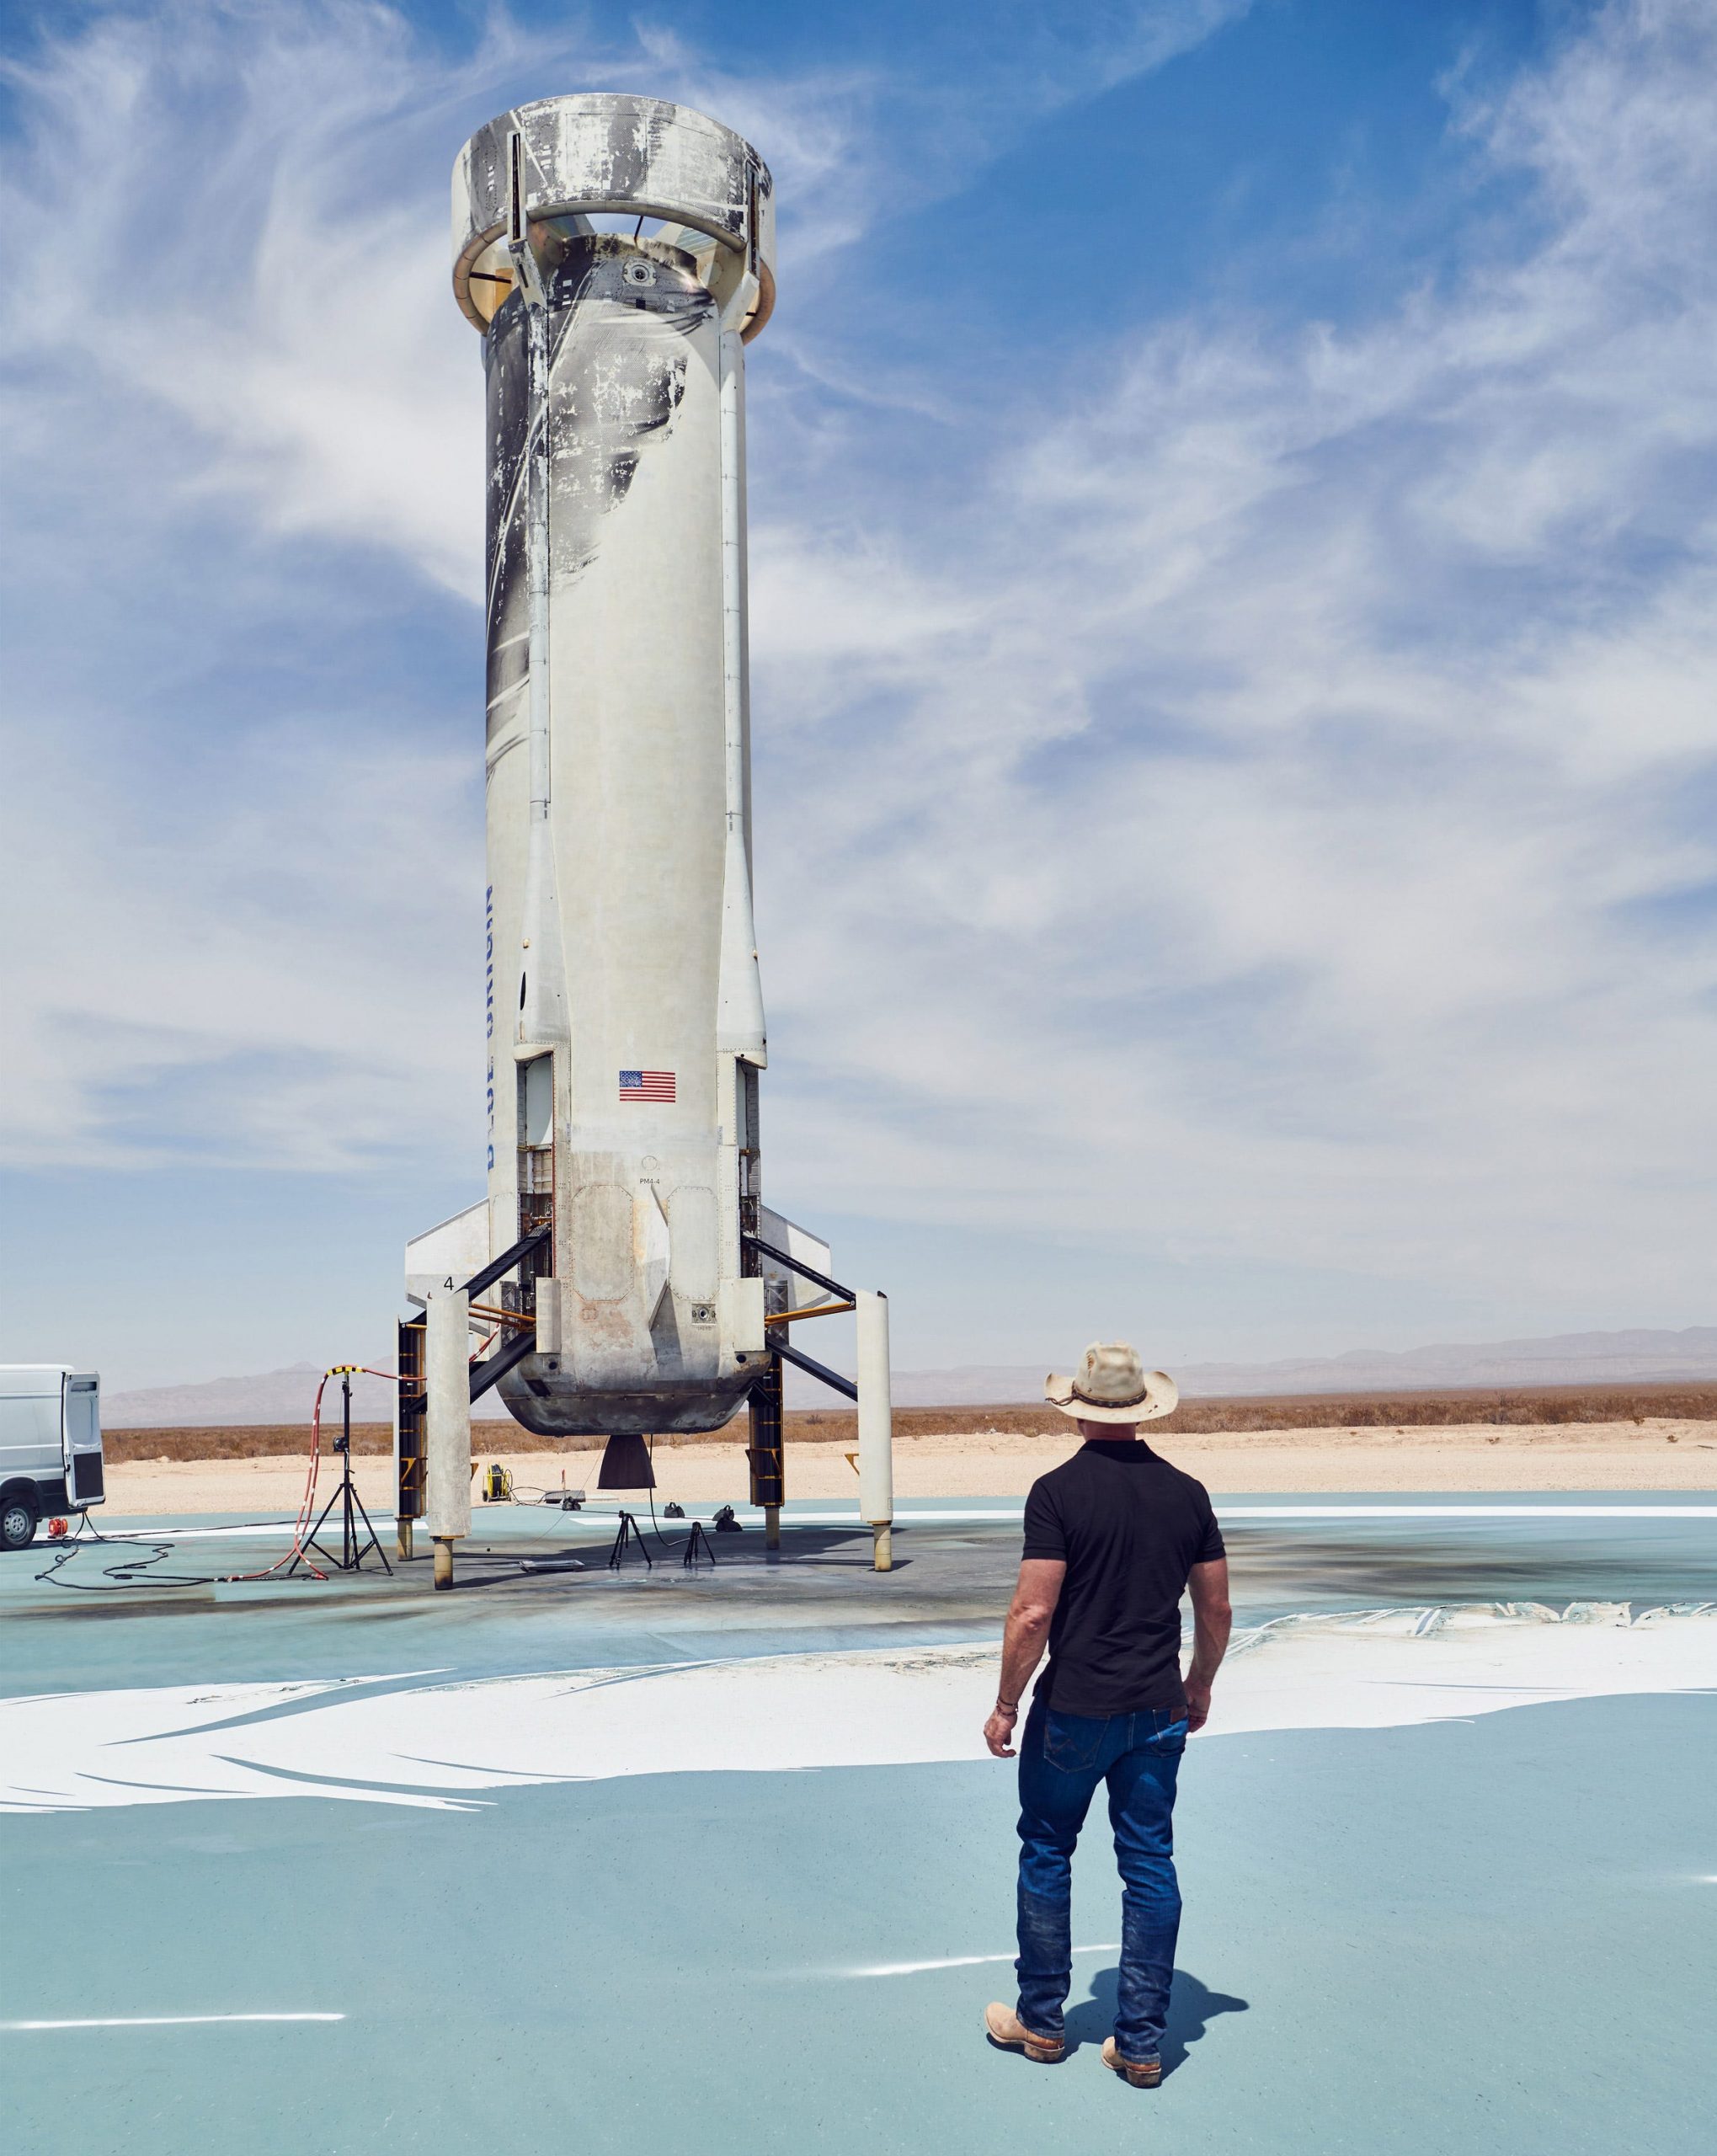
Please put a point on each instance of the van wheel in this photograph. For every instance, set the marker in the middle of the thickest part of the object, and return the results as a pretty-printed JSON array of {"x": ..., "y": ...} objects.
[{"x": 17, "y": 1519}]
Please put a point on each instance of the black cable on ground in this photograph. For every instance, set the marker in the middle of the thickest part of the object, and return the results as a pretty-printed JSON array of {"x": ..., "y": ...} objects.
[
  {"x": 661, "y": 1539},
  {"x": 118, "y": 1574}
]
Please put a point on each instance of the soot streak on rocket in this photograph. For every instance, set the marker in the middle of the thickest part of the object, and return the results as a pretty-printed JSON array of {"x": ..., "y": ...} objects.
[
  {"x": 506, "y": 361},
  {"x": 645, "y": 151},
  {"x": 618, "y": 358}
]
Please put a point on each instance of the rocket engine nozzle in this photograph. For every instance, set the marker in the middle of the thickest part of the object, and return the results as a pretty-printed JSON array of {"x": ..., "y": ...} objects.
[{"x": 626, "y": 1464}]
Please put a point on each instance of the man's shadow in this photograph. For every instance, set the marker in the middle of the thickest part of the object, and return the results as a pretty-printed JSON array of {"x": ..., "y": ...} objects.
[{"x": 1192, "y": 2007}]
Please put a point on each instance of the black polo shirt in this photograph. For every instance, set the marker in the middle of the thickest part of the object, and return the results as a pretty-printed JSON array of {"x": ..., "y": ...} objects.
[{"x": 1129, "y": 1528}]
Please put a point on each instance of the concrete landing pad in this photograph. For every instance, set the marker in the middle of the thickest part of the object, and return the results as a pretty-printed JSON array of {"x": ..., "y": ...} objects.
[{"x": 1478, "y": 1924}]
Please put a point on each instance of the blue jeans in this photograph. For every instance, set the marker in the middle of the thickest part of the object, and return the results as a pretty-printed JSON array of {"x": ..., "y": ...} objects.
[{"x": 1062, "y": 1759}]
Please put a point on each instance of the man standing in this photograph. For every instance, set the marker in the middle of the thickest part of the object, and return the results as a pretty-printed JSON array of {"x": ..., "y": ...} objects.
[{"x": 1114, "y": 1537}]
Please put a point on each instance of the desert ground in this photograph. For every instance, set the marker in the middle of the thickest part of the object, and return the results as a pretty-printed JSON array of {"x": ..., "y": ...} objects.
[{"x": 1656, "y": 1453}]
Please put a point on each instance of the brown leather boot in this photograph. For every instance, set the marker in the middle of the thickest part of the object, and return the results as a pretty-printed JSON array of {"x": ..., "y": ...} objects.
[
  {"x": 1005, "y": 2028},
  {"x": 1136, "y": 2072}
]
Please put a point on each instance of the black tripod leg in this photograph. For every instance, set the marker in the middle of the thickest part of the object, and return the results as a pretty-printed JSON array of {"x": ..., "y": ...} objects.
[
  {"x": 348, "y": 1532},
  {"x": 310, "y": 1543},
  {"x": 373, "y": 1543}
]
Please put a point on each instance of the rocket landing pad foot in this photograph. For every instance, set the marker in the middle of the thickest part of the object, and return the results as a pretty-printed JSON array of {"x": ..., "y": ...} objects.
[
  {"x": 771, "y": 1527},
  {"x": 883, "y": 1545},
  {"x": 403, "y": 1538},
  {"x": 444, "y": 1560}
]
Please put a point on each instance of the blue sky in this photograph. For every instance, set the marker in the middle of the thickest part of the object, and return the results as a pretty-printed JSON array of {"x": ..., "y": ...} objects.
[{"x": 1234, "y": 663}]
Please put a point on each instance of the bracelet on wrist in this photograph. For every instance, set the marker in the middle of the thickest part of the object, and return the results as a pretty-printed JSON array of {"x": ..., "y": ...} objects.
[{"x": 1008, "y": 1706}]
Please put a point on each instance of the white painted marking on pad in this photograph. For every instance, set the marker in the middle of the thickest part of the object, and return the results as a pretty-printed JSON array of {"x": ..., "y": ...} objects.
[
  {"x": 1002, "y": 1515},
  {"x": 163, "y": 2020},
  {"x": 952, "y": 1962},
  {"x": 1463, "y": 1512},
  {"x": 437, "y": 1745},
  {"x": 124, "y": 1531}
]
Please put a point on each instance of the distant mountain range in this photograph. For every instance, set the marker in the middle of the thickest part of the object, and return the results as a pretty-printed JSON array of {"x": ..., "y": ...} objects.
[
  {"x": 272, "y": 1396},
  {"x": 1641, "y": 1356},
  {"x": 1636, "y": 1358}
]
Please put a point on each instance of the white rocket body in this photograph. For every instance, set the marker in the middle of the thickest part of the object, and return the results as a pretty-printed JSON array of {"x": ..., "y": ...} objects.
[{"x": 626, "y": 1024}]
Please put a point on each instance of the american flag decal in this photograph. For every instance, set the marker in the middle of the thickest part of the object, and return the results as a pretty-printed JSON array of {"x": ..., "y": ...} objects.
[{"x": 647, "y": 1084}]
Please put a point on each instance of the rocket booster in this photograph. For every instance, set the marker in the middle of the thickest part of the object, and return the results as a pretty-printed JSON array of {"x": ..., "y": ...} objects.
[{"x": 625, "y": 1012}]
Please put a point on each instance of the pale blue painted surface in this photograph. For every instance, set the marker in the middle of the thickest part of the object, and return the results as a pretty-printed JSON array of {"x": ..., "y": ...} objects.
[{"x": 1472, "y": 1937}]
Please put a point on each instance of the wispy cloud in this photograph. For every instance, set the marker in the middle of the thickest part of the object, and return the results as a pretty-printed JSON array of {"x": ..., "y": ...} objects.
[
  {"x": 256, "y": 202},
  {"x": 243, "y": 980},
  {"x": 251, "y": 907},
  {"x": 1274, "y": 834},
  {"x": 1271, "y": 774}
]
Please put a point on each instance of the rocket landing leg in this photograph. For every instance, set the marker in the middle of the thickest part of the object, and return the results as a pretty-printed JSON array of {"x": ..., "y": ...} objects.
[
  {"x": 767, "y": 1452},
  {"x": 447, "y": 1382},
  {"x": 875, "y": 1427},
  {"x": 871, "y": 1393}
]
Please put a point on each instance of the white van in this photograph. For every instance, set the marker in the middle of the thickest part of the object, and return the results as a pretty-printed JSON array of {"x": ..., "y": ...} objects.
[{"x": 49, "y": 1446}]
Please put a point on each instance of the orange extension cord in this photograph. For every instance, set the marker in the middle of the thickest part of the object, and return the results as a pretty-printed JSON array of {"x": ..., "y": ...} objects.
[
  {"x": 307, "y": 1503},
  {"x": 300, "y": 1527},
  {"x": 306, "y": 1506}
]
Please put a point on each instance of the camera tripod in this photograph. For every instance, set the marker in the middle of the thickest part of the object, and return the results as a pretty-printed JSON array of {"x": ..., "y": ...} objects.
[{"x": 353, "y": 1552}]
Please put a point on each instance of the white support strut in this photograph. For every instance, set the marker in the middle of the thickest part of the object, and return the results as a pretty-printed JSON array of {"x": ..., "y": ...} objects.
[
  {"x": 876, "y": 1424},
  {"x": 447, "y": 1423}
]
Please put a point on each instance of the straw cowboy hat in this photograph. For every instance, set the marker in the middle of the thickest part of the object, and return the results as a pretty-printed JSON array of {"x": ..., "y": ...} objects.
[{"x": 1113, "y": 1385}]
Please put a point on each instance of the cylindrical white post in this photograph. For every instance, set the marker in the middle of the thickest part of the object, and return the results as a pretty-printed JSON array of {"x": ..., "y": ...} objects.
[
  {"x": 447, "y": 1424},
  {"x": 876, "y": 1423}
]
